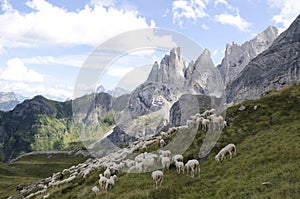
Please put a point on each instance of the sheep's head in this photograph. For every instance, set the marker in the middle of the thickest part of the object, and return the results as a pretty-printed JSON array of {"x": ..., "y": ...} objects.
[{"x": 217, "y": 158}]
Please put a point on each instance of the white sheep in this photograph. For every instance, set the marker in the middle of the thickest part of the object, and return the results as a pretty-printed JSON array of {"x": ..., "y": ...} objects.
[
  {"x": 162, "y": 142},
  {"x": 194, "y": 166},
  {"x": 110, "y": 183},
  {"x": 102, "y": 181},
  {"x": 177, "y": 158},
  {"x": 107, "y": 172},
  {"x": 46, "y": 196},
  {"x": 148, "y": 162},
  {"x": 166, "y": 153},
  {"x": 157, "y": 177},
  {"x": 179, "y": 167},
  {"x": 230, "y": 148},
  {"x": 165, "y": 162},
  {"x": 217, "y": 122},
  {"x": 205, "y": 124},
  {"x": 96, "y": 190}
]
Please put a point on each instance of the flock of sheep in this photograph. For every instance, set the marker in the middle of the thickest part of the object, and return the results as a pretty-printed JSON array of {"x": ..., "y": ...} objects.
[{"x": 127, "y": 160}]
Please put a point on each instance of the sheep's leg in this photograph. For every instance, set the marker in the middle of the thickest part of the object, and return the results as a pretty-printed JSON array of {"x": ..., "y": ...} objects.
[{"x": 230, "y": 154}]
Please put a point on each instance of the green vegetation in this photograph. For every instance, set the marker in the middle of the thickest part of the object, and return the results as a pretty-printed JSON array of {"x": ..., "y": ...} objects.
[
  {"x": 32, "y": 168},
  {"x": 267, "y": 140}
]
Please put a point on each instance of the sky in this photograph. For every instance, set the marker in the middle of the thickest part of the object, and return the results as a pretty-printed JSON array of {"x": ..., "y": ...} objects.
[{"x": 44, "y": 44}]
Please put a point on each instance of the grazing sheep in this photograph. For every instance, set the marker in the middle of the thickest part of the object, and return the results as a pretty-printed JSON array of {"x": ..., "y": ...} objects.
[
  {"x": 157, "y": 177},
  {"x": 107, "y": 173},
  {"x": 179, "y": 167},
  {"x": 110, "y": 183},
  {"x": 194, "y": 166},
  {"x": 165, "y": 162},
  {"x": 230, "y": 148},
  {"x": 177, "y": 158},
  {"x": 162, "y": 142},
  {"x": 96, "y": 190}
]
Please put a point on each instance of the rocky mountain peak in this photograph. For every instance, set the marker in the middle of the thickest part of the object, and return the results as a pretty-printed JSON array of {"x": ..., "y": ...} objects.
[
  {"x": 238, "y": 56},
  {"x": 274, "y": 68},
  {"x": 170, "y": 70}
]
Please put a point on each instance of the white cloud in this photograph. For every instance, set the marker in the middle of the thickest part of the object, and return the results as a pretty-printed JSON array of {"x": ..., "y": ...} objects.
[
  {"x": 16, "y": 70},
  {"x": 188, "y": 9},
  {"x": 204, "y": 27},
  {"x": 68, "y": 60},
  {"x": 118, "y": 71},
  {"x": 289, "y": 10},
  {"x": 233, "y": 20},
  {"x": 48, "y": 24}
]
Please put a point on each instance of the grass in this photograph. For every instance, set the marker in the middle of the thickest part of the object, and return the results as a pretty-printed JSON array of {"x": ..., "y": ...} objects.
[
  {"x": 268, "y": 143},
  {"x": 32, "y": 168}
]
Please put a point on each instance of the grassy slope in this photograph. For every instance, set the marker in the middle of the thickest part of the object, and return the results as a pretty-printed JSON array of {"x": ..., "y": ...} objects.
[
  {"x": 32, "y": 168},
  {"x": 268, "y": 143}
]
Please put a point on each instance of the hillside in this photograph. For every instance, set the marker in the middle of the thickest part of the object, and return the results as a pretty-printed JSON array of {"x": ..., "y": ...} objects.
[
  {"x": 36, "y": 124},
  {"x": 267, "y": 140}
]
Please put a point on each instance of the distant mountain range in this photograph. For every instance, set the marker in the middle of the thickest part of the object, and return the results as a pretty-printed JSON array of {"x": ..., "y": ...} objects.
[
  {"x": 8, "y": 100},
  {"x": 171, "y": 93}
]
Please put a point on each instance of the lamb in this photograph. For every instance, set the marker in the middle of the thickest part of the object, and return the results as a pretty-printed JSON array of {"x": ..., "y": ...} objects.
[
  {"x": 194, "y": 166},
  {"x": 230, "y": 148},
  {"x": 110, "y": 183},
  {"x": 157, "y": 177},
  {"x": 165, "y": 162},
  {"x": 96, "y": 190},
  {"x": 179, "y": 167},
  {"x": 162, "y": 143}
]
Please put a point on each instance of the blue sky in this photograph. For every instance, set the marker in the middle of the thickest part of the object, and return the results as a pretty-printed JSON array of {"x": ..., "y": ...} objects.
[{"x": 44, "y": 43}]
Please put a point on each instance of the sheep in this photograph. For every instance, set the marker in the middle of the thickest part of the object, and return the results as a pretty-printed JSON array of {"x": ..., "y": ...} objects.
[
  {"x": 217, "y": 122},
  {"x": 157, "y": 177},
  {"x": 164, "y": 134},
  {"x": 110, "y": 183},
  {"x": 205, "y": 124},
  {"x": 102, "y": 181},
  {"x": 177, "y": 158},
  {"x": 137, "y": 167},
  {"x": 107, "y": 172},
  {"x": 162, "y": 143},
  {"x": 96, "y": 190},
  {"x": 166, "y": 153},
  {"x": 129, "y": 163},
  {"x": 148, "y": 162},
  {"x": 46, "y": 196},
  {"x": 165, "y": 162},
  {"x": 179, "y": 167},
  {"x": 230, "y": 148},
  {"x": 194, "y": 166}
]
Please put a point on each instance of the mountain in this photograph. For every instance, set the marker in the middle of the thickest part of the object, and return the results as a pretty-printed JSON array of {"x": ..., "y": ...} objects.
[
  {"x": 266, "y": 164},
  {"x": 36, "y": 124},
  {"x": 274, "y": 68},
  {"x": 238, "y": 56},
  {"x": 8, "y": 101}
]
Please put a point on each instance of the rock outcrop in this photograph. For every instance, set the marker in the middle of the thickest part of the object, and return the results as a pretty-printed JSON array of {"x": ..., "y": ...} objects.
[
  {"x": 238, "y": 56},
  {"x": 274, "y": 68}
]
